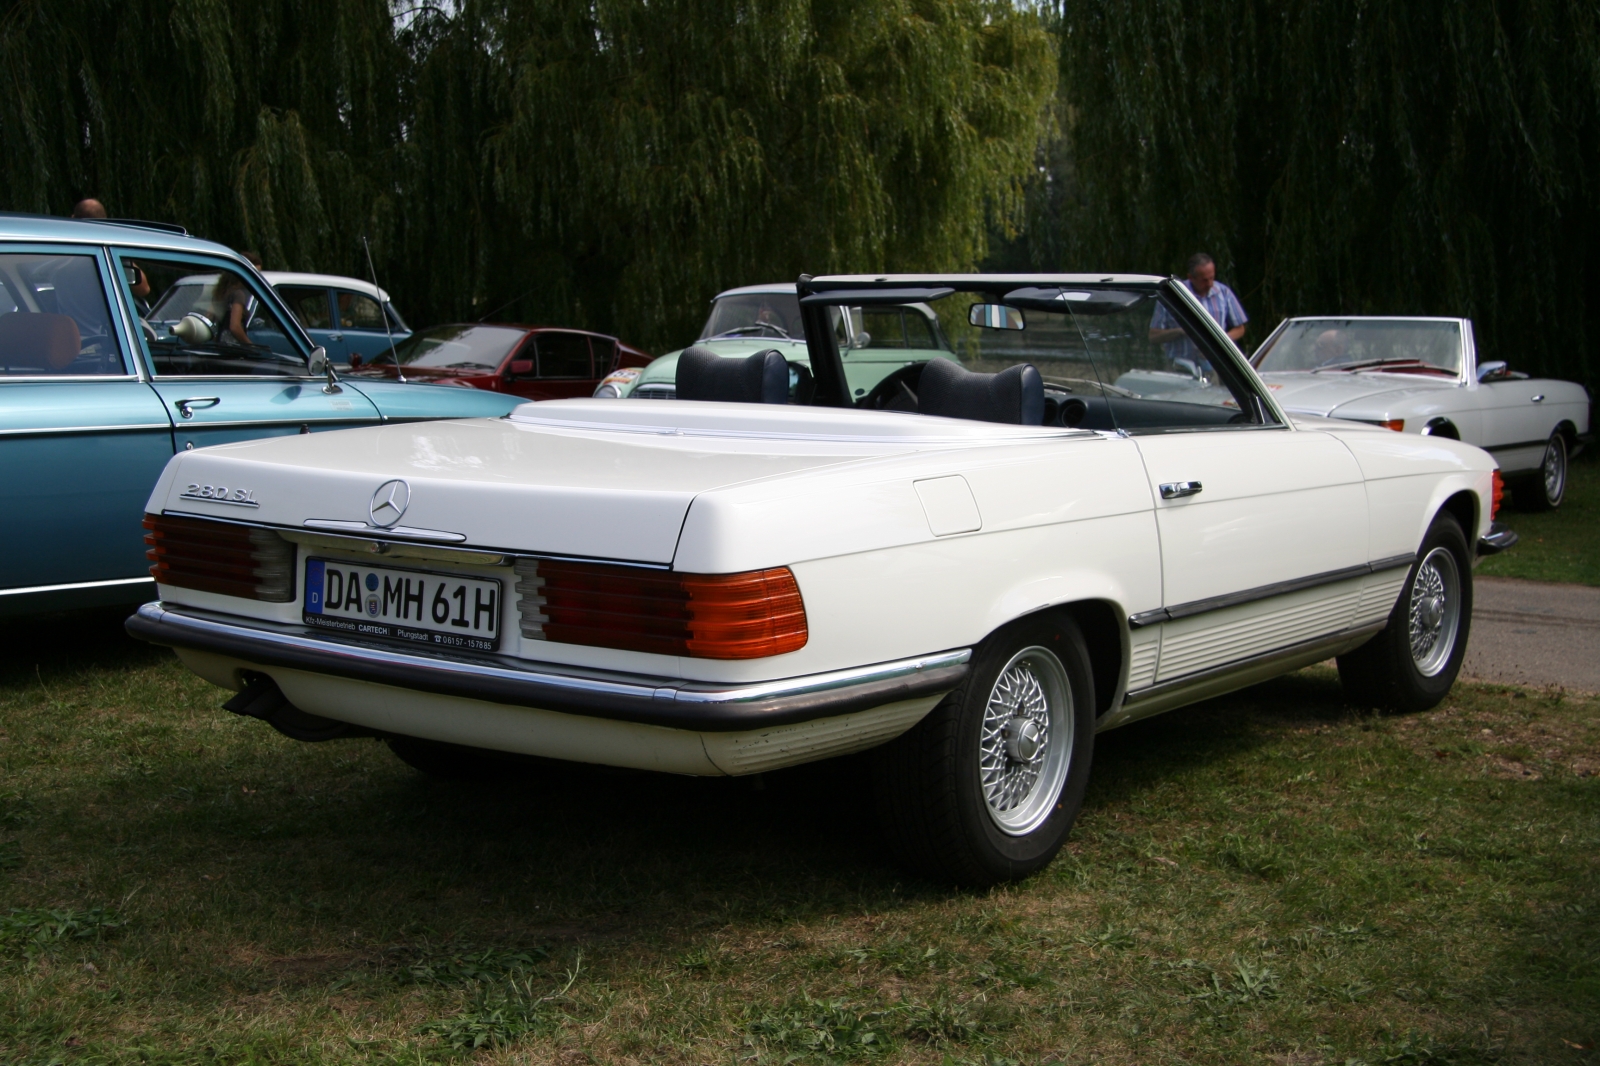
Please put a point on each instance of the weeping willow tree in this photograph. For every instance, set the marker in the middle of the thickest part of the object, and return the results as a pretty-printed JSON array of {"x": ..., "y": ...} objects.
[
  {"x": 262, "y": 125},
  {"x": 609, "y": 163},
  {"x": 649, "y": 154},
  {"x": 1381, "y": 156}
]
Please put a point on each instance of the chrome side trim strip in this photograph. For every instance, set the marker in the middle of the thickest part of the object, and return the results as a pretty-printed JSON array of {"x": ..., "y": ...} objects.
[
  {"x": 43, "y": 431},
  {"x": 698, "y": 705},
  {"x": 1264, "y": 659},
  {"x": 1235, "y": 675},
  {"x": 82, "y": 585},
  {"x": 288, "y": 426},
  {"x": 1265, "y": 592}
]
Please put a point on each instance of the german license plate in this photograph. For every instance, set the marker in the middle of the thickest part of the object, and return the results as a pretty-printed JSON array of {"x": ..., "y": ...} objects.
[{"x": 413, "y": 606}]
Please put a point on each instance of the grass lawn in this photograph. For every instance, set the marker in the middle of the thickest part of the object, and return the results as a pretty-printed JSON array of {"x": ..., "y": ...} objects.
[
  {"x": 1267, "y": 878},
  {"x": 1561, "y": 545}
]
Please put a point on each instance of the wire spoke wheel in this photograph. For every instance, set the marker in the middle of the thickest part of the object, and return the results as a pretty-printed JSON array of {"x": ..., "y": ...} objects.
[
  {"x": 1554, "y": 471},
  {"x": 1025, "y": 740},
  {"x": 1434, "y": 611}
]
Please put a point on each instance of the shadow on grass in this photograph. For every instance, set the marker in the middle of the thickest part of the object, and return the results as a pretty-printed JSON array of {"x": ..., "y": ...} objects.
[
  {"x": 343, "y": 834},
  {"x": 56, "y": 646},
  {"x": 571, "y": 850}
]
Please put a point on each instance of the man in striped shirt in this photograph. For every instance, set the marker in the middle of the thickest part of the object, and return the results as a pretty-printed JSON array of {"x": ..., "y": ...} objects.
[{"x": 1215, "y": 297}]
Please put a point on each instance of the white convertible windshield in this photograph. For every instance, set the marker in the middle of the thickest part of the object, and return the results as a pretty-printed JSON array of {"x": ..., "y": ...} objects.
[{"x": 1336, "y": 345}]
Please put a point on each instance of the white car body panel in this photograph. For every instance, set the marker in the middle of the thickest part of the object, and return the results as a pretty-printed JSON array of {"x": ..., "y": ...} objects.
[{"x": 911, "y": 539}]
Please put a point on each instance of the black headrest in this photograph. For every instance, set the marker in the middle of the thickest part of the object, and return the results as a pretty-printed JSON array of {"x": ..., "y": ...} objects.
[
  {"x": 705, "y": 375},
  {"x": 1014, "y": 395}
]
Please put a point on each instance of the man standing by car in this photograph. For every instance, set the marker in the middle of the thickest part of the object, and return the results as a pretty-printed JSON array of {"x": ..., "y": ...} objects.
[{"x": 1215, "y": 297}]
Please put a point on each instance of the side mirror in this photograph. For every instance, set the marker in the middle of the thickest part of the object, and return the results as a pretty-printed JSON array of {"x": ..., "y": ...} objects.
[
  {"x": 995, "y": 316},
  {"x": 355, "y": 361},
  {"x": 195, "y": 328},
  {"x": 862, "y": 340},
  {"x": 1190, "y": 367},
  {"x": 1496, "y": 368},
  {"x": 317, "y": 361},
  {"x": 521, "y": 366}
]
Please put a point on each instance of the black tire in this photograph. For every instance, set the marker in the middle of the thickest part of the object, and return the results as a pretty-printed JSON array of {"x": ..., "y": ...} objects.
[
  {"x": 1391, "y": 670},
  {"x": 451, "y": 762},
  {"x": 1546, "y": 487},
  {"x": 931, "y": 797}
]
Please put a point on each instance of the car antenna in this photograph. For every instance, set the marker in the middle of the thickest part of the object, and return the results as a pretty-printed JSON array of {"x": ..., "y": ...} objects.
[
  {"x": 505, "y": 305},
  {"x": 384, "y": 309}
]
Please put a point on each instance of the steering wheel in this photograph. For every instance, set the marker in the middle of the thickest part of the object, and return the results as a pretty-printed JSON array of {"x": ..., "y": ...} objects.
[{"x": 896, "y": 392}]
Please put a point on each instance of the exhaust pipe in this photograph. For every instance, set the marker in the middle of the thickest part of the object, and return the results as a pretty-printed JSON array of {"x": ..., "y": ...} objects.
[{"x": 262, "y": 698}]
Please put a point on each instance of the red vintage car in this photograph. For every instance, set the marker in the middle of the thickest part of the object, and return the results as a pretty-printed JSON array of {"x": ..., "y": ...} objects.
[{"x": 536, "y": 362}]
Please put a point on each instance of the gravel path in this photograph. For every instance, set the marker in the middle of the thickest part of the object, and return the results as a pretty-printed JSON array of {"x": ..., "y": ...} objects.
[{"x": 1533, "y": 633}]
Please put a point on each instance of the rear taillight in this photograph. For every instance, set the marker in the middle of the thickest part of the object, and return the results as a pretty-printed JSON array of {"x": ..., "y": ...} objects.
[
  {"x": 1498, "y": 495},
  {"x": 232, "y": 560},
  {"x": 704, "y": 616}
]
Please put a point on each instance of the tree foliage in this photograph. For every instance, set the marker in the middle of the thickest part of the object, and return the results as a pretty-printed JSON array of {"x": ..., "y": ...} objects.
[
  {"x": 610, "y": 163},
  {"x": 1375, "y": 156}
]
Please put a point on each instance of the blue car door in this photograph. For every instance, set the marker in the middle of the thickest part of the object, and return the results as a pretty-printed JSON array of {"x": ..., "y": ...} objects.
[
  {"x": 224, "y": 359},
  {"x": 82, "y": 437}
]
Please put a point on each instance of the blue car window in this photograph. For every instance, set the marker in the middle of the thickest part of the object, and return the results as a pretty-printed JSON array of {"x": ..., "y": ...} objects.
[
  {"x": 359, "y": 312},
  {"x": 212, "y": 322},
  {"x": 54, "y": 318},
  {"x": 309, "y": 305}
]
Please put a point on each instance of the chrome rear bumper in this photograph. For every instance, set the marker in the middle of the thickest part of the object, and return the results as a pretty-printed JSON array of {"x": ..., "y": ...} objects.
[
  {"x": 698, "y": 705},
  {"x": 1497, "y": 540}
]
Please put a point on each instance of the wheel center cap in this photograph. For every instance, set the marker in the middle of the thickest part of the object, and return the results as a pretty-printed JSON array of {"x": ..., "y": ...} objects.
[
  {"x": 1432, "y": 611},
  {"x": 1023, "y": 739}
]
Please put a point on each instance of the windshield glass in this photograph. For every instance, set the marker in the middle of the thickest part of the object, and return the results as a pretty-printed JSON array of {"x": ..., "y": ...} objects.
[
  {"x": 460, "y": 347},
  {"x": 759, "y": 314},
  {"x": 1109, "y": 359},
  {"x": 1345, "y": 344}
]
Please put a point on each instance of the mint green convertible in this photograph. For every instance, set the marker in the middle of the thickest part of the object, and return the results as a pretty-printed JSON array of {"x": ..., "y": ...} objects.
[{"x": 874, "y": 342}]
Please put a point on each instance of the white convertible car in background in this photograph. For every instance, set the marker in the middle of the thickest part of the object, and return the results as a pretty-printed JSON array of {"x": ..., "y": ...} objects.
[
  {"x": 724, "y": 586},
  {"x": 1422, "y": 375}
]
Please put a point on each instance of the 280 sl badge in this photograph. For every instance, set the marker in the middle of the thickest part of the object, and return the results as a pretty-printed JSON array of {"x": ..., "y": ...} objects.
[{"x": 221, "y": 494}]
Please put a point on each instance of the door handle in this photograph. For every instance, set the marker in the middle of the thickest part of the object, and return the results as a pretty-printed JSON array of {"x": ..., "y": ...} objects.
[
  {"x": 1539, "y": 398},
  {"x": 1177, "y": 490},
  {"x": 336, "y": 336},
  {"x": 188, "y": 407}
]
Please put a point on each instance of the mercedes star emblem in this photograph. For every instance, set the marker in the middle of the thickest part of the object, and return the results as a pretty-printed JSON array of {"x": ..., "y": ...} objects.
[{"x": 389, "y": 502}]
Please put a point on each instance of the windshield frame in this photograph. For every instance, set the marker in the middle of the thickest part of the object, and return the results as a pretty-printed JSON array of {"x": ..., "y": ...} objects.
[{"x": 828, "y": 366}]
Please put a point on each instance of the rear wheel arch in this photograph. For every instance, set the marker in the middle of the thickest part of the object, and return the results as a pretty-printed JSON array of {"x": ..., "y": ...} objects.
[{"x": 1101, "y": 623}]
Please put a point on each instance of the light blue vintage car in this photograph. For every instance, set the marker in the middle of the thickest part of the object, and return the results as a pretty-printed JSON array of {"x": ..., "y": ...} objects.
[{"x": 104, "y": 374}]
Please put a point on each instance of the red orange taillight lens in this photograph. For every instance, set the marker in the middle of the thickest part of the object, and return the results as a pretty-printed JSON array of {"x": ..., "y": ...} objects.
[
  {"x": 1498, "y": 495},
  {"x": 704, "y": 616},
  {"x": 220, "y": 557}
]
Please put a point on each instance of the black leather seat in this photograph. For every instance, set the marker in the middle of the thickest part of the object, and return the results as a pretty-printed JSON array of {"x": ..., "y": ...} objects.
[
  {"x": 1014, "y": 395},
  {"x": 705, "y": 375}
]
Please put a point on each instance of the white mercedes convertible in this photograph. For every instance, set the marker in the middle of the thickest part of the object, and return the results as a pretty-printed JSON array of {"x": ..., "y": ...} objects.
[{"x": 972, "y": 568}]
